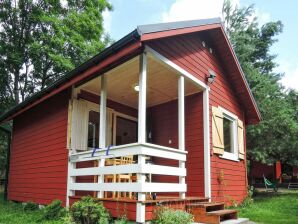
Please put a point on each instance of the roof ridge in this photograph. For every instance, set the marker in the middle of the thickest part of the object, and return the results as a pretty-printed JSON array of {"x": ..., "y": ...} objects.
[{"x": 157, "y": 27}]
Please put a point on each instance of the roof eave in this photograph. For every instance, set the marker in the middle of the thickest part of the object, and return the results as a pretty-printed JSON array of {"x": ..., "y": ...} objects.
[
  {"x": 117, "y": 46},
  {"x": 253, "y": 101}
]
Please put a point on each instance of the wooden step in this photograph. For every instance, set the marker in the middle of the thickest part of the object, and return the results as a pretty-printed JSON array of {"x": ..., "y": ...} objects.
[
  {"x": 222, "y": 215},
  {"x": 206, "y": 206},
  {"x": 210, "y": 212}
]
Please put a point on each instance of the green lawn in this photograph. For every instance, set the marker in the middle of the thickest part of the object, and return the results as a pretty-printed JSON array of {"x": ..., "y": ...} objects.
[
  {"x": 267, "y": 208},
  {"x": 281, "y": 208},
  {"x": 13, "y": 213}
]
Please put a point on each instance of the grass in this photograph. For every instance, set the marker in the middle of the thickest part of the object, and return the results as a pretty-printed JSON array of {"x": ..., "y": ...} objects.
[
  {"x": 13, "y": 213},
  {"x": 267, "y": 208},
  {"x": 273, "y": 208}
]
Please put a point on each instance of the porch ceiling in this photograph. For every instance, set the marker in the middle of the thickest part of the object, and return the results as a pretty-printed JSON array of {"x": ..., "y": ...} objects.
[{"x": 162, "y": 83}]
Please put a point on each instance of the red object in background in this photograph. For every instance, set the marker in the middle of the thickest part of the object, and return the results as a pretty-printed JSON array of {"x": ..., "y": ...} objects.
[{"x": 278, "y": 170}]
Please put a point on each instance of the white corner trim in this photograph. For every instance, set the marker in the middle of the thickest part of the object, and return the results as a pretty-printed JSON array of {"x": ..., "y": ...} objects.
[
  {"x": 207, "y": 163},
  {"x": 175, "y": 67}
]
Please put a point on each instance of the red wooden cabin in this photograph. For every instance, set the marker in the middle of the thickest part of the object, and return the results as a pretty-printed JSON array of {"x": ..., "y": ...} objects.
[{"x": 172, "y": 97}]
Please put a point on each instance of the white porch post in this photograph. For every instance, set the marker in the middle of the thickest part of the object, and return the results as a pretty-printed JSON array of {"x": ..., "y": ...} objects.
[
  {"x": 102, "y": 126},
  {"x": 207, "y": 165},
  {"x": 142, "y": 132},
  {"x": 70, "y": 166},
  {"x": 70, "y": 180},
  {"x": 181, "y": 126}
]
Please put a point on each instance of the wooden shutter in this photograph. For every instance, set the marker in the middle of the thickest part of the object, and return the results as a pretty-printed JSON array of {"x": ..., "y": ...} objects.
[
  {"x": 217, "y": 131},
  {"x": 79, "y": 125},
  {"x": 240, "y": 139}
]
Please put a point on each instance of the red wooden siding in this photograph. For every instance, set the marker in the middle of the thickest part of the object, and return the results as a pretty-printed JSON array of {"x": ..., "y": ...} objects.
[
  {"x": 38, "y": 163},
  {"x": 187, "y": 52},
  {"x": 259, "y": 169},
  {"x": 165, "y": 126}
]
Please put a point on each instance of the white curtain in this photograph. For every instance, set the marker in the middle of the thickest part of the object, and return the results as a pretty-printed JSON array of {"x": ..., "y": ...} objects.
[{"x": 79, "y": 125}]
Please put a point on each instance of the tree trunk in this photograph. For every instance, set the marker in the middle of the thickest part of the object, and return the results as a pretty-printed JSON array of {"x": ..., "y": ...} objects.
[{"x": 16, "y": 87}]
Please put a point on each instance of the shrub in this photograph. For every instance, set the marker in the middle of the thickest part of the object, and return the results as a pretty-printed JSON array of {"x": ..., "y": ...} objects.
[
  {"x": 88, "y": 211},
  {"x": 30, "y": 206},
  {"x": 67, "y": 219},
  {"x": 248, "y": 200},
  {"x": 122, "y": 220},
  {"x": 166, "y": 215},
  {"x": 54, "y": 210}
]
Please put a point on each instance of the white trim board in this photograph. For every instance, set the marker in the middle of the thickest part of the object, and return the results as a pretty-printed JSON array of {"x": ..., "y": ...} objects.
[{"x": 207, "y": 162}]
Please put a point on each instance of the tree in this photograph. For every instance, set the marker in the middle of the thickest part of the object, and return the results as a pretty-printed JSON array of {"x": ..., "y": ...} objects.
[
  {"x": 43, "y": 39},
  {"x": 40, "y": 41},
  {"x": 275, "y": 137}
]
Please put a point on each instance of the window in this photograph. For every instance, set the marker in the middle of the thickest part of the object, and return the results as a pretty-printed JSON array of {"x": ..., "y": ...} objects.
[
  {"x": 93, "y": 129},
  {"x": 126, "y": 131},
  {"x": 228, "y": 135}
]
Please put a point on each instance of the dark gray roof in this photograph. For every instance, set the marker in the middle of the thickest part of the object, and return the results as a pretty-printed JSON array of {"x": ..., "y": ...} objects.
[
  {"x": 158, "y": 27},
  {"x": 126, "y": 40}
]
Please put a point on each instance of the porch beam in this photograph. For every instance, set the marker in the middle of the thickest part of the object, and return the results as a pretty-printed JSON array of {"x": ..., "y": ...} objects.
[
  {"x": 102, "y": 126},
  {"x": 181, "y": 126}
]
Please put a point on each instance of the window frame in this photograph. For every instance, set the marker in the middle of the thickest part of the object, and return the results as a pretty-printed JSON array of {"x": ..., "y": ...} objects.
[
  {"x": 234, "y": 155},
  {"x": 95, "y": 107}
]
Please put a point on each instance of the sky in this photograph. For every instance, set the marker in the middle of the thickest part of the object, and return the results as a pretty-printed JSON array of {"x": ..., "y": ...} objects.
[{"x": 128, "y": 14}]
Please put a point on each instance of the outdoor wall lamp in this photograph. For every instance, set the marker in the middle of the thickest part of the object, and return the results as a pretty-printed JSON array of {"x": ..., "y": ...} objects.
[
  {"x": 211, "y": 76},
  {"x": 136, "y": 87}
]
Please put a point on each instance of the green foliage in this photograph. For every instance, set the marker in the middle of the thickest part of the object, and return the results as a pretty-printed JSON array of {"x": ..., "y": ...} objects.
[
  {"x": 166, "y": 215},
  {"x": 89, "y": 211},
  {"x": 54, "y": 210},
  {"x": 3, "y": 153},
  {"x": 13, "y": 213},
  {"x": 42, "y": 40},
  {"x": 122, "y": 220},
  {"x": 30, "y": 206},
  {"x": 272, "y": 208},
  {"x": 249, "y": 198},
  {"x": 275, "y": 137}
]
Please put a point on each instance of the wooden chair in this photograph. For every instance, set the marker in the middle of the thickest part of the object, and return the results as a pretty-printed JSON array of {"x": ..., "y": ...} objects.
[
  {"x": 110, "y": 178},
  {"x": 124, "y": 160}
]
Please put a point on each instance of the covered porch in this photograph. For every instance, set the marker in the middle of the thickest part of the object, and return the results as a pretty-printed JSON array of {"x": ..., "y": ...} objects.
[{"x": 123, "y": 145}]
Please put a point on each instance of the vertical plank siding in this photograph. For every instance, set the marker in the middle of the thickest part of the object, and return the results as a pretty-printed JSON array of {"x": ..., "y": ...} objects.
[
  {"x": 188, "y": 52},
  {"x": 38, "y": 163}
]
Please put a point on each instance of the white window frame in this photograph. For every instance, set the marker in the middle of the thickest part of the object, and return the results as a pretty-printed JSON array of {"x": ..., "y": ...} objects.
[
  {"x": 118, "y": 114},
  {"x": 94, "y": 107},
  {"x": 234, "y": 155}
]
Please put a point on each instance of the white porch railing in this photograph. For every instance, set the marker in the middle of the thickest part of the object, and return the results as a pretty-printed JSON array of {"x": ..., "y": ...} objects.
[{"x": 141, "y": 186}]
